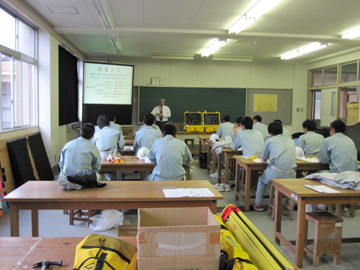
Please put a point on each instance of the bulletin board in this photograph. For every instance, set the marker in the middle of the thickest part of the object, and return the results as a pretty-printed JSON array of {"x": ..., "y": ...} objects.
[{"x": 270, "y": 104}]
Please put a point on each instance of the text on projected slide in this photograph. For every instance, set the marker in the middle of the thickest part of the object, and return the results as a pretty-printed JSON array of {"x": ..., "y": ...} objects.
[{"x": 107, "y": 84}]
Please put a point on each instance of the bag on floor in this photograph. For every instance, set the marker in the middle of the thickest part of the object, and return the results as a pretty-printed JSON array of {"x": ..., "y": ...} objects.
[
  {"x": 99, "y": 252},
  {"x": 232, "y": 257}
]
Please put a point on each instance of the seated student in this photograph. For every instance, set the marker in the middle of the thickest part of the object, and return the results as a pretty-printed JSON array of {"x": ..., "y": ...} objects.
[
  {"x": 112, "y": 118},
  {"x": 147, "y": 135},
  {"x": 237, "y": 127},
  {"x": 107, "y": 140},
  {"x": 225, "y": 129},
  {"x": 169, "y": 154},
  {"x": 251, "y": 141},
  {"x": 154, "y": 126},
  {"x": 260, "y": 126},
  {"x": 339, "y": 150},
  {"x": 286, "y": 132},
  {"x": 281, "y": 151},
  {"x": 310, "y": 142},
  {"x": 80, "y": 155}
]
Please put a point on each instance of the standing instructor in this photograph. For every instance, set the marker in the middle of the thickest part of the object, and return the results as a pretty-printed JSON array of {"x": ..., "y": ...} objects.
[{"x": 162, "y": 113}]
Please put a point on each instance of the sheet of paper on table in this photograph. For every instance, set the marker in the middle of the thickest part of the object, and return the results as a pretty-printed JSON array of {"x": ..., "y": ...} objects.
[
  {"x": 322, "y": 189},
  {"x": 187, "y": 192},
  {"x": 312, "y": 160},
  {"x": 129, "y": 148}
]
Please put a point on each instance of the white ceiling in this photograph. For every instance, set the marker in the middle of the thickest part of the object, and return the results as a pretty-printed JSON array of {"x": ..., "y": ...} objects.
[{"x": 184, "y": 27}]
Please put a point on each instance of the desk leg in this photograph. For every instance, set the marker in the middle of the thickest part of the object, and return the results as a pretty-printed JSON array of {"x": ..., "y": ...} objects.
[
  {"x": 213, "y": 165},
  {"x": 300, "y": 235},
  {"x": 142, "y": 175},
  {"x": 237, "y": 181},
  {"x": 227, "y": 168},
  {"x": 220, "y": 161},
  {"x": 200, "y": 145},
  {"x": 35, "y": 222},
  {"x": 213, "y": 207},
  {"x": 208, "y": 157},
  {"x": 278, "y": 213},
  {"x": 247, "y": 187},
  {"x": 14, "y": 220}
]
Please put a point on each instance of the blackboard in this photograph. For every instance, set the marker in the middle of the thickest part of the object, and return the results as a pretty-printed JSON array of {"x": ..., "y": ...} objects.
[{"x": 227, "y": 101}]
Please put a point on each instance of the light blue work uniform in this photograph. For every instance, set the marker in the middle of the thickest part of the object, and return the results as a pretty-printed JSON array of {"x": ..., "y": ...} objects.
[
  {"x": 281, "y": 151},
  {"x": 262, "y": 128},
  {"x": 340, "y": 152},
  {"x": 225, "y": 129},
  {"x": 146, "y": 137},
  {"x": 116, "y": 127},
  {"x": 79, "y": 155},
  {"x": 169, "y": 154},
  {"x": 238, "y": 130},
  {"x": 156, "y": 127},
  {"x": 310, "y": 143},
  {"x": 251, "y": 142},
  {"x": 286, "y": 132},
  {"x": 108, "y": 139}
]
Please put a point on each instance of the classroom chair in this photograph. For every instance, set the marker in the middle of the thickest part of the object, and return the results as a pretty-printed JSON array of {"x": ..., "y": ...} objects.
[{"x": 287, "y": 209}]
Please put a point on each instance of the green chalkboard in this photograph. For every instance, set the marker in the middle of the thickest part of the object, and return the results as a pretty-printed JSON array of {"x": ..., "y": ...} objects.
[{"x": 227, "y": 101}]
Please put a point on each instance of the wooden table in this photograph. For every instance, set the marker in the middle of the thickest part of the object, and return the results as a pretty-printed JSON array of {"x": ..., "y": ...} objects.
[
  {"x": 36, "y": 195},
  {"x": 202, "y": 142},
  {"x": 131, "y": 164},
  {"x": 294, "y": 189},
  {"x": 250, "y": 166},
  {"x": 226, "y": 154},
  {"x": 23, "y": 252}
]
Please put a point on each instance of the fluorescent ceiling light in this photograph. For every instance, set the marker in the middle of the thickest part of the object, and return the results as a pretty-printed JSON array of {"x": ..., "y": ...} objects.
[
  {"x": 170, "y": 57},
  {"x": 104, "y": 13},
  {"x": 351, "y": 34},
  {"x": 116, "y": 42},
  {"x": 303, "y": 50},
  {"x": 253, "y": 12},
  {"x": 212, "y": 47},
  {"x": 230, "y": 58}
]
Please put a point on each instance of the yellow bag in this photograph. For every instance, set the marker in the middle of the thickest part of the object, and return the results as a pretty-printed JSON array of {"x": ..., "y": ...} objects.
[
  {"x": 99, "y": 252},
  {"x": 233, "y": 257}
]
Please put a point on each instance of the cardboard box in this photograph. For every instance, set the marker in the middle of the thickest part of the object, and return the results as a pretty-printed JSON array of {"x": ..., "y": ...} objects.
[
  {"x": 352, "y": 113},
  {"x": 178, "y": 238}
]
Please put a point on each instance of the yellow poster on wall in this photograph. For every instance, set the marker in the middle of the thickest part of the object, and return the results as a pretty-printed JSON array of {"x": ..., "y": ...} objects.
[{"x": 265, "y": 103}]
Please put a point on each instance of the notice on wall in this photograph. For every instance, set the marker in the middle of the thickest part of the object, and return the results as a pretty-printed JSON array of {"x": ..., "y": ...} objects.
[{"x": 265, "y": 103}]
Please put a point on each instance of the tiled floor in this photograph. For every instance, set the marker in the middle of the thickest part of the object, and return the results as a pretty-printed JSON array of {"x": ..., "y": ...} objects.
[{"x": 54, "y": 223}]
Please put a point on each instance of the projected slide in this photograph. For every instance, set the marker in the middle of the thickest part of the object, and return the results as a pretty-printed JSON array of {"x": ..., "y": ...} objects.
[{"x": 107, "y": 84}]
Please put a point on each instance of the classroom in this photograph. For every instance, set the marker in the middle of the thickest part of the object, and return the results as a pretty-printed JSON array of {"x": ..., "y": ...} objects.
[{"x": 163, "y": 43}]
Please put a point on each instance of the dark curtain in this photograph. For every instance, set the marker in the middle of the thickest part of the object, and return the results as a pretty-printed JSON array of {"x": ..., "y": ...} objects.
[{"x": 68, "y": 87}]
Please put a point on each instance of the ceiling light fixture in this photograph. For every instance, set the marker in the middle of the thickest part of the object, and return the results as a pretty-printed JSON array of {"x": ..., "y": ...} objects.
[
  {"x": 304, "y": 50},
  {"x": 253, "y": 12},
  {"x": 175, "y": 57},
  {"x": 212, "y": 47},
  {"x": 104, "y": 13},
  {"x": 116, "y": 42},
  {"x": 351, "y": 34},
  {"x": 230, "y": 58}
]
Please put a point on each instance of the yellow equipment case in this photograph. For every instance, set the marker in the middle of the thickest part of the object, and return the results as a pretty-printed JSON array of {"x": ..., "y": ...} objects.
[
  {"x": 193, "y": 122},
  {"x": 211, "y": 121}
]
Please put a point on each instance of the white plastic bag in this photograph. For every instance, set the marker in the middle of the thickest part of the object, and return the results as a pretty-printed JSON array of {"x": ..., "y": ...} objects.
[{"x": 106, "y": 220}]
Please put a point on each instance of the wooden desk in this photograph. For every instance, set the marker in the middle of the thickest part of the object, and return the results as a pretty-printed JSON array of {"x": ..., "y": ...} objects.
[
  {"x": 211, "y": 156},
  {"x": 36, "y": 195},
  {"x": 249, "y": 166},
  {"x": 226, "y": 154},
  {"x": 132, "y": 163},
  {"x": 129, "y": 141},
  {"x": 294, "y": 189},
  {"x": 202, "y": 143},
  {"x": 23, "y": 252}
]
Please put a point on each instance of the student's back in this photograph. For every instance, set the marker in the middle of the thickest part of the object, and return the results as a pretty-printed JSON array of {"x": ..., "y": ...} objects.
[
  {"x": 146, "y": 136},
  {"x": 226, "y": 128}
]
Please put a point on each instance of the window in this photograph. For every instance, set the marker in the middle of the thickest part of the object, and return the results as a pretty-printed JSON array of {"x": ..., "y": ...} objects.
[
  {"x": 349, "y": 72},
  {"x": 316, "y": 108},
  {"x": 316, "y": 77},
  {"x": 330, "y": 75},
  {"x": 349, "y": 104},
  {"x": 18, "y": 95}
]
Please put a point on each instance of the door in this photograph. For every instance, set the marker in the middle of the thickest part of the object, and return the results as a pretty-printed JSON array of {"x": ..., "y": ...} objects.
[{"x": 328, "y": 106}]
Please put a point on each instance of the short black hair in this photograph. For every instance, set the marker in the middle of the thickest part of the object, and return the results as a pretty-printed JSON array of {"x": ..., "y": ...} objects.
[
  {"x": 278, "y": 120},
  {"x": 226, "y": 118},
  {"x": 103, "y": 120},
  {"x": 247, "y": 122},
  {"x": 112, "y": 116},
  {"x": 169, "y": 130},
  {"x": 309, "y": 124},
  {"x": 149, "y": 119},
  {"x": 87, "y": 131},
  {"x": 258, "y": 118},
  {"x": 338, "y": 125},
  {"x": 238, "y": 120},
  {"x": 275, "y": 128}
]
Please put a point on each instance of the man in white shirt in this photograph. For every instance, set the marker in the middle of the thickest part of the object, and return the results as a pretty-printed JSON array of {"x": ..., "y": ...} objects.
[{"x": 162, "y": 113}]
